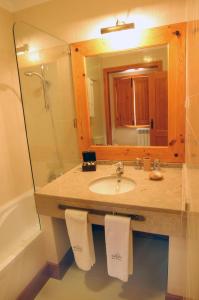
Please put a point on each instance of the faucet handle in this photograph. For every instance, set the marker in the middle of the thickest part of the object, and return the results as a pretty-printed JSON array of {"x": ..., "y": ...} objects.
[
  {"x": 138, "y": 163},
  {"x": 119, "y": 164},
  {"x": 156, "y": 164}
]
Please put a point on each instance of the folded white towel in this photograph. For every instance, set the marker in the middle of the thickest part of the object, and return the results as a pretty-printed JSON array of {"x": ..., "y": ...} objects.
[
  {"x": 81, "y": 238},
  {"x": 119, "y": 249}
]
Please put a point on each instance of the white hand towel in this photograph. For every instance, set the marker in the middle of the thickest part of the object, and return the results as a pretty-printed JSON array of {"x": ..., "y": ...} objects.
[
  {"x": 119, "y": 249},
  {"x": 81, "y": 238}
]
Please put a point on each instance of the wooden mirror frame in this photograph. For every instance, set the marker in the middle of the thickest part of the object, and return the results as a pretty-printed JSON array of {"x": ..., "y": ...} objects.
[{"x": 175, "y": 37}]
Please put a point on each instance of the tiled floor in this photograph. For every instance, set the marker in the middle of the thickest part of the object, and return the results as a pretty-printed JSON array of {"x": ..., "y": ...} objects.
[{"x": 147, "y": 283}]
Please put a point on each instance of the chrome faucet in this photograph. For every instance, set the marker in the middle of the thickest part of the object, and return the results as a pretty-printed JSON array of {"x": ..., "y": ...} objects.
[
  {"x": 156, "y": 164},
  {"x": 119, "y": 170}
]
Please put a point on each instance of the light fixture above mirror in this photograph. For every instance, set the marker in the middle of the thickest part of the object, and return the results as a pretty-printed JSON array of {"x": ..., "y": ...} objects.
[
  {"x": 120, "y": 26},
  {"x": 22, "y": 50}
]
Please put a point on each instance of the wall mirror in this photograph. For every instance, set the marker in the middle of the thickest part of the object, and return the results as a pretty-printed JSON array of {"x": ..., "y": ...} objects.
[
  {"x": 133, "y": 86},
  {"x": 130, "y": 102}
]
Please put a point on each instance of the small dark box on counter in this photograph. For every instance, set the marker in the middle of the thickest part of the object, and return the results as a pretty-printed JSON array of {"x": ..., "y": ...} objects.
[{"x": 89, "y": 161}]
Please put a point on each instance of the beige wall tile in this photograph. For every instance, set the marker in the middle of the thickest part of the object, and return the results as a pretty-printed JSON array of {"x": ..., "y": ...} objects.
[
  {"x": 193, "y": 107},
  {"x": 81, "y": 20},
  {"x": 14, "y": 161},
  {"x": 18, "y": 274},
  {"x": 192, "y": 150},
  {"x": 55, "y": 237}
]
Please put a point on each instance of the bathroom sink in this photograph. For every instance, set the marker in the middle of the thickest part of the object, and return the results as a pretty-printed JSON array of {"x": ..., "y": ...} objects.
[{"x": 111, "y": 185}]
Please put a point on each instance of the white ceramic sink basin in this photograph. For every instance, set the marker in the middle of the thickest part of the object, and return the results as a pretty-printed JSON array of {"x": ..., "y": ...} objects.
[{"x": 110, "y": 185}]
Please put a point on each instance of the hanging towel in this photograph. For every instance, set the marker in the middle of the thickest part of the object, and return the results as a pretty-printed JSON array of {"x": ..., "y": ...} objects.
[
  {"x": 119, "y": 250},
  {"x": 81, "y": 238}
]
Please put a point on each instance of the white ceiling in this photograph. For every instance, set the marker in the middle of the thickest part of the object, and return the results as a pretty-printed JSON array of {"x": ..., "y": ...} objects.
[{"x": 15, "y": 5}]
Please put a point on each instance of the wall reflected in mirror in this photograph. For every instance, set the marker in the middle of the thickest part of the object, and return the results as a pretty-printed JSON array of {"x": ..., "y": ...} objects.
[{"x": 128, "y": 97}]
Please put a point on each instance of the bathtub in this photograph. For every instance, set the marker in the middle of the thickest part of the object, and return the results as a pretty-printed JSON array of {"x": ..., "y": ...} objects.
[{"x": 20, "y": 245}]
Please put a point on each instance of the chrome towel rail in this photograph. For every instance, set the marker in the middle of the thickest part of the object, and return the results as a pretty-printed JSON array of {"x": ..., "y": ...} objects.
[{"x": 133, "y": 217}]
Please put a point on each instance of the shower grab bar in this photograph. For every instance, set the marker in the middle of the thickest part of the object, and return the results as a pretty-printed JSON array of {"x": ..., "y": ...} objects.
[{"x": 133, "y": 217}]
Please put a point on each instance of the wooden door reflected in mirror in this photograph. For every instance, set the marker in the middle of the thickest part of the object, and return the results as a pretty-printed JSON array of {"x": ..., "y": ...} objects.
[{"x": 128, "y": 97}]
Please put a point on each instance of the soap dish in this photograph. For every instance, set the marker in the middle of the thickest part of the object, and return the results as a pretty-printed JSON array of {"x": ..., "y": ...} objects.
[{"x": 156, "y": 175}]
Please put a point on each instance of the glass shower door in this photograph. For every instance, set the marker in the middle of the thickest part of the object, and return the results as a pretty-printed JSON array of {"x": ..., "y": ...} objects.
[{"x": 46, "y": 86}]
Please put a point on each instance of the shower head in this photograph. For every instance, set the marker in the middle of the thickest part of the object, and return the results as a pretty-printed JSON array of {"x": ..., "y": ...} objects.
[
  {"x": 45, "y": 85},
  {"x": 30, "y": 74}
]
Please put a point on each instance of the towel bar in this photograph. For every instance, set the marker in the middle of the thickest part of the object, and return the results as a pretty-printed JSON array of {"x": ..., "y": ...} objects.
[{"x": 101, "y": 213}]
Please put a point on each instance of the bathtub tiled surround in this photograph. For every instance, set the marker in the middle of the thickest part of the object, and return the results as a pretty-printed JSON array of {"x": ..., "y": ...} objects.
[
  {"x": 18, "y": 227},
  {"x": 14, "y": 162},
  {"x": 56, "y": 241},
  {"x": 21, "y": 242}
]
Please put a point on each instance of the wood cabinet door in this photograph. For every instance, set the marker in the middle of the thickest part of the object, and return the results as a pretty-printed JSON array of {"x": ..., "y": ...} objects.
[
  {"x": 141, "y": 96},
  {"x": 123, "y": 90},
  {"x": 158, "y": 108}
]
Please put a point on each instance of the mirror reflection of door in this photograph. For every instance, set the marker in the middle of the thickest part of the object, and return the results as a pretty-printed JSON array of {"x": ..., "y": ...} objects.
[
  {"x": 128, "y": 98},
  {"x": 131, "y": 101},
  {"x": 141, "y": 102},
  {"x": 123, "y": 96},
  {"x": 158, "y": 107}
]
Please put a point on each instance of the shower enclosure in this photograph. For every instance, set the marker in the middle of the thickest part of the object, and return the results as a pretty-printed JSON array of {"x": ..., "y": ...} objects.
[{"x": 47, "y": 96}]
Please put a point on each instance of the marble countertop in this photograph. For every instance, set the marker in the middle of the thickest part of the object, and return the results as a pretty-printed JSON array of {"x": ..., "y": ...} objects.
[{"x": 164, "y": 195}]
